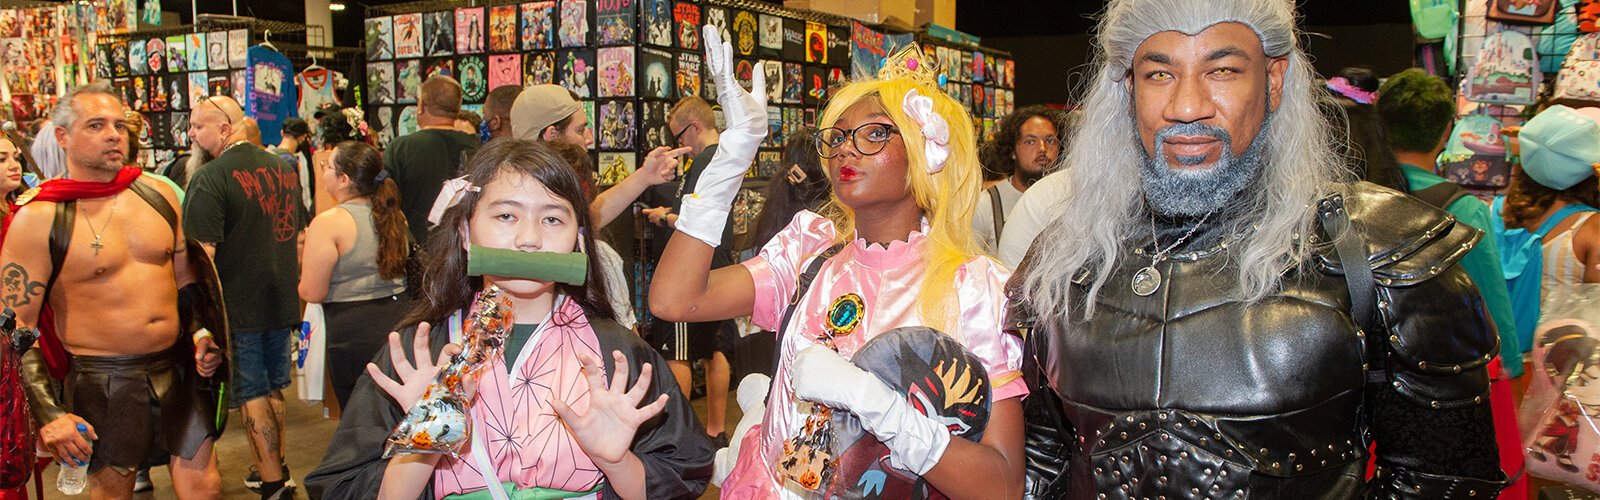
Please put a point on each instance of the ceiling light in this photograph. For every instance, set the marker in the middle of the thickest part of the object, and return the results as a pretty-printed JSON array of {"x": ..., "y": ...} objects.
[{"x": 336, "y": 6}]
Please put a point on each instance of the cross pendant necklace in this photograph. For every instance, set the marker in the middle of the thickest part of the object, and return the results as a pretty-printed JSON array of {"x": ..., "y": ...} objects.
[{"x": 103, "y": 227}]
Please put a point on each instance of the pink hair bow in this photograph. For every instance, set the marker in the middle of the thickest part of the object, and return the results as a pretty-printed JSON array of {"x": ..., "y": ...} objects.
[
  {"x": 935, "y": 131},
  {"x": 450, "y": 194}
]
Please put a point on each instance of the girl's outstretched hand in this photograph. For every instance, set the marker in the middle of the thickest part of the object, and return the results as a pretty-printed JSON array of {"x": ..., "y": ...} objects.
[
  {"x": 606, "y": 430},
  {"x": 411, "y": 379}
]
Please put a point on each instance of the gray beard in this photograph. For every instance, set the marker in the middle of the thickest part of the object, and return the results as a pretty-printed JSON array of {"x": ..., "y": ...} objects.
[{"x": 1175, "y": 193}]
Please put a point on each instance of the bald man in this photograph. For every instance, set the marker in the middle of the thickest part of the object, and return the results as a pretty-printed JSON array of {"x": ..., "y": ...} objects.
[{"x": 244, "y": 206}]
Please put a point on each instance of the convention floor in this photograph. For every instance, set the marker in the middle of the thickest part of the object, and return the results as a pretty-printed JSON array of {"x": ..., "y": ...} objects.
[{"x": 308, "y": 438}]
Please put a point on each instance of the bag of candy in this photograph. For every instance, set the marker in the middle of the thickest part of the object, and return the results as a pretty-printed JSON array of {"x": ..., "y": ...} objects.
[{"x": 438, "y": 423}]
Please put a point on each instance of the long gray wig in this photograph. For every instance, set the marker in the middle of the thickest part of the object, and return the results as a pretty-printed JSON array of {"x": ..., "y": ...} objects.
[{"x": 1105, "y": 208}]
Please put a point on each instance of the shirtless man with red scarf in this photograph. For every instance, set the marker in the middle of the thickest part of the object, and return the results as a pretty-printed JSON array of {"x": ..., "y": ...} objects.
[{"x": 133, "y": 386}]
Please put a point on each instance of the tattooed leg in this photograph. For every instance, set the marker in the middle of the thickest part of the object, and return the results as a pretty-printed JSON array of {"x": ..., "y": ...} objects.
[{"x": 266, "y": 438}]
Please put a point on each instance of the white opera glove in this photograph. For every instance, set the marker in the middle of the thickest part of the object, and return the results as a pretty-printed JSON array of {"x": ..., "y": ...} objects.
[
  {"x": 704, "y": 212},
  {"x": 915, "y": 441}
]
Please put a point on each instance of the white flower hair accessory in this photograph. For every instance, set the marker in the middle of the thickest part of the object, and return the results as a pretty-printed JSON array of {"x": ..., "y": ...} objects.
[
  {"x": 450, "y": 194},
  {"x": 935, "y": 130}
]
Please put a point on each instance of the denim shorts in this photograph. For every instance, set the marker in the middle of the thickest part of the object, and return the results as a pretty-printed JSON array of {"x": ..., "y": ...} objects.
[{"x": 261, "y": 364}]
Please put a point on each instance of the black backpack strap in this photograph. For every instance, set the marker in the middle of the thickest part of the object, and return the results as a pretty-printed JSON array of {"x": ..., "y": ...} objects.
[
  {"x": 998, "y": 210},
  {"x": 158, "y": 202},
  {"x": 1441, "y": 195},
  {"x": 802, "y": 284}
]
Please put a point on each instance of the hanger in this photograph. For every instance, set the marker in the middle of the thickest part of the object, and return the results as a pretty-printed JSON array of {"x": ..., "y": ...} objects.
[
  {"x": 266, "y": 40},
  {"x": 313, "y": 65}
]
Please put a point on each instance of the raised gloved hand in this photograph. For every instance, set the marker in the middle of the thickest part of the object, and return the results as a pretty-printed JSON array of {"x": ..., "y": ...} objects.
[
  {"x": 915, "y": 441},
  {"x": 705, "y": 211}
]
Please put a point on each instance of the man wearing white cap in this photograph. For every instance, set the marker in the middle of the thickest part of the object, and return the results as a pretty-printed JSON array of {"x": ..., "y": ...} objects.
[{"x": 550, "y": 113}]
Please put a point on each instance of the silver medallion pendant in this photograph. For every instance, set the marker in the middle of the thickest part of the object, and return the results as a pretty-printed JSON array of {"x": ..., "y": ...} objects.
[{"x": 1146, "y": 281}]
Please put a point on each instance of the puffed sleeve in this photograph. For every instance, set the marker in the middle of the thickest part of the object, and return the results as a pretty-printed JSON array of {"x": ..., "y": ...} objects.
[
  {"x": 983, "y": 306},
  {"x": 354, "y": 467},
  {"x": 775, "y": 269},
  {"x": 673, "y": 446}
]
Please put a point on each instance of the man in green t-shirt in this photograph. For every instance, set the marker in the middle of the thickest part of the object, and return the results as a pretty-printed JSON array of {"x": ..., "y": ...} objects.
[
  {"x": 421, "y": 161},
  {"x": 1417, "y": 110}
]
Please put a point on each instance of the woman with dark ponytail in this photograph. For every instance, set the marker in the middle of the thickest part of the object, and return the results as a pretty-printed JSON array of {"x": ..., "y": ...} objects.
[{"x": 355, "y": 261}]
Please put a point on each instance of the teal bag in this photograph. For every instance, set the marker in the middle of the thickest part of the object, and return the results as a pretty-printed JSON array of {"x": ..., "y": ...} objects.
[
  {"x": 1522, "y": 261},
  {"x": 1434, "y": 18}
]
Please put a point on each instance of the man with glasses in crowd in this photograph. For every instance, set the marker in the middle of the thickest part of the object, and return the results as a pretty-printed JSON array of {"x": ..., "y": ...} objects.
[
  {"x": 246, "y": 209},
  {"x": 694, "y": 126}
]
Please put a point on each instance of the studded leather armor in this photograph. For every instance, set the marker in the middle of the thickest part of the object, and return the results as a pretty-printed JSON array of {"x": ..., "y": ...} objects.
[{"x": 1191, "y": 393}]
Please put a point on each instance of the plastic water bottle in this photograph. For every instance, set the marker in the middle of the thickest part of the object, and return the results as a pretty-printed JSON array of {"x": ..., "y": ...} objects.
[{"x": 74, "y": 477}]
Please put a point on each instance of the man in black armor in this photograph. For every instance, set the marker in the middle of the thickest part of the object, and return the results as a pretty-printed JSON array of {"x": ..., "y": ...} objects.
[{"x": 1215, "y": 314}]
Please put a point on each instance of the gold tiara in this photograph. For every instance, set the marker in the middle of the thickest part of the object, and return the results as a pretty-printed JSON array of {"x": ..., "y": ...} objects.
[{"x": 910, "y": 62}]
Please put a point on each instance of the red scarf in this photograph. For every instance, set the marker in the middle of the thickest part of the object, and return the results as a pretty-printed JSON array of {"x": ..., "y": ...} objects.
[{"x": 60, "y": 190}]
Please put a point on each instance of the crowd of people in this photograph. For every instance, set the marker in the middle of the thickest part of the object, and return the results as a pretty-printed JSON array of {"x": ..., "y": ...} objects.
[{"x": 1179, "y": 288}]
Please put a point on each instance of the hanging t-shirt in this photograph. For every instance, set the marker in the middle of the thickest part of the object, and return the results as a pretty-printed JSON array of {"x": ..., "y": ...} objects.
[
  {"x": 317, "y": 88},
  {"x": 269, "y": 94}
]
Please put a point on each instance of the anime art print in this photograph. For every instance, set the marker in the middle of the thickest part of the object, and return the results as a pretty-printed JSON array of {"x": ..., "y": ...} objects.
[
  {"x": 471, "y": 72},
  {"x": 469, "y": 30},
  {"x": 688, "y": 75},
  {"x": 380, "y": 38},
  {"x": 506, "y": 69},
  {"x": 614, "y": 20},
  {"x": 439, "y": 33},
  {"x": 408, "y": 80},
  {"x": 744, "y": 33},
  {"x": 177, "y": 91},
  {"x": 199, "y": 87},
  {"x": 614, "y": 167},
  {"x": 574, "y": 27},
  {"x": 380, "y": 83},
  {"x": 178, "y": 126},
  {"x": 539, "y": 68},
  {"x": 616, "y": 128},
  {"x": 538, "y": 25},
  {"x": 159, "y": 98},
  {"x": 217, "y": 50},
  {"x": 119, "y": 56},
  {"x": 656, "y": 76},
  {"x": 686, "y": 16},
  {"x": 156, "y": 55},
  {"x": 177, "y": 54},
  {"x": 238, "y": 47},
  {"x": 657, "y": 22},
  {"x": 138, "y": 64},
  {"x": 616, "y": 71},
  {"x": 443, "y": 66},
  {"x": 10, "y": 25},
  {"x": 577, "y": 72},
  {"x": 408, "y": 35},
  {"x": 503, "y": 28}
]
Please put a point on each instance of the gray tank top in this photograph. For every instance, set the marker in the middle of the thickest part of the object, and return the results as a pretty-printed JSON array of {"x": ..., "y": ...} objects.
[{"x": 355, "y": 275}]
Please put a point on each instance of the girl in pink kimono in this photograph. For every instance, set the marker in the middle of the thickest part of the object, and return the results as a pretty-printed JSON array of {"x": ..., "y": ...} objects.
[
  {"x": 900, "y": 156},
  {"x": 546, "y": 421}
]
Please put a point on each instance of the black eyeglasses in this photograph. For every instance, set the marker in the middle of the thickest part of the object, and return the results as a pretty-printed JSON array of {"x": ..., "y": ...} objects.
[
  {"x": 829, "y": 140},
  {"x": 677, "y": 137}
]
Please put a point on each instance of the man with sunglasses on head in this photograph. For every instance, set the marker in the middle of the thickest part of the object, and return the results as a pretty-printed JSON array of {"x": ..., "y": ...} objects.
[
  {"x": 246, "y": 209},
  {"x": 693, "y": 125}
]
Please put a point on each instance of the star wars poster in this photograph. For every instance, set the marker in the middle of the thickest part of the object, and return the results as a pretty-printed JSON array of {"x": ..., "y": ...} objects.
[
  {"x": 577, "y": 72},
  {"x": 616, "y": 125},
  {"x": 380, "y": 83},
  {"x": 717, "y": 17},
  {"x": 439, "y": 33},
  {"x": 688, "y": 75},
  {"x": 506, "y": 69},
  {"x": 538, "y": 68},
  {"x": 538, "y": 25},
  {"x": 657, "y": 22},
  {"x": 614, "y": 19},
  {"x": 687, "y": 18},
  {"x": 657, "y": 78},
  {"x": 656, "y": 131},
  {"x": 408, "y": 35},
  {"x": 503, "y": 28},
  {"x": 380, "y": 38},
  {"x": 408, "y": 80},
  {"x": 469, "y": 30},
  {"x": 471, "y": 72},
  {"x": 616, "y": 71},
  {"x": 574, "y": 23}
]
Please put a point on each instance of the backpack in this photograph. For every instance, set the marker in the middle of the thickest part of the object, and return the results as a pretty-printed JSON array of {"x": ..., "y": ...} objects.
[
  {"x": 1554, "y": 41},
  {"x": 1579, "y": 79},
  {"x": 1522, "y": 262},
  {"x": 1475, "y": 155},
  {"x": 1505, "y": 71},
  {"x": 1433, "y": 18},
  {"x": 1523, "y": 11}
]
